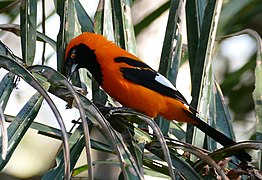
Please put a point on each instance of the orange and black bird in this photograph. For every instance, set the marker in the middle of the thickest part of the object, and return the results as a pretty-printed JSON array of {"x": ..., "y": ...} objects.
[{"x": 134, "y": 84}]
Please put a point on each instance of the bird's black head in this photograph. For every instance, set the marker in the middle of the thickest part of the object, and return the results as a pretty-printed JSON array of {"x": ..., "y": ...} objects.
[{"x": 81, "y": 56}]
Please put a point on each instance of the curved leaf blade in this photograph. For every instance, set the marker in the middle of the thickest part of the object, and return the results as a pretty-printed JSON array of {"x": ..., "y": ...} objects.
[
  {"x": 15, "y": 28},
  {"x": 52, "y": 76},
  {"x": 8, "y": 63},
  {"x": 20, "y": 125}
]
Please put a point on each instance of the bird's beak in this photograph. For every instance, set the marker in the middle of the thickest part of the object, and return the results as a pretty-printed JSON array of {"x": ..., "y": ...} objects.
[{"x": 70, "y": 69}]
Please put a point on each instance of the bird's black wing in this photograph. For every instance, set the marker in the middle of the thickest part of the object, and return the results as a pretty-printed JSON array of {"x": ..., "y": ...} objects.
[{"x": 144, "y": 75}]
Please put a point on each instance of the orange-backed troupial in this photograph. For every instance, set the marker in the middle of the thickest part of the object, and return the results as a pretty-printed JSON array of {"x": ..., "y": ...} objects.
[{"x": 134, "y": 84}]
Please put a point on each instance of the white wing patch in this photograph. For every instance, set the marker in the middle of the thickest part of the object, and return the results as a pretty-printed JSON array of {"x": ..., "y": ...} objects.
[{"x": 162, "y": 80}]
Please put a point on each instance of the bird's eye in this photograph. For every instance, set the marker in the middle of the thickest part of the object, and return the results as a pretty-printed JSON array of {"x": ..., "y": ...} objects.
[{"x": 72, "y": 56}]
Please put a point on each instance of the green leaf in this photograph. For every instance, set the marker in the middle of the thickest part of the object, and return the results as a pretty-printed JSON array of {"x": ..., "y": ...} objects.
[
  {"x": 231, "y": 10},
  {"x": 177, "y": 131},
  {"x": 257, "y": 93},
  {"x": 118, "y": 23},
  {"x": 79, "y": 170},
  {"x": 234, "y": 78},
  {"x": 123, "y": 26},
  {"x": 85, "y": 21},
  {"x": 206, "y": 106},
  {"x": 154, "y": 172},
  {"x": 155, "y": 166},
  {"x": 61, "y": 7},
  {"x": 130, "y": 170},
  {"x": 20, "y": 125},
  {"x": 12, "y": 66},
  {"x": 4, "y": 135},
  {"x": 103, "y": 20},
  {"x": 10, "y": 8},
  {"x": 6, "y": 88},
  {"x": 158, "y": 134},
  {"x": 47, "y": 130},
  {"x": 181, "y": 166},
  {"x": 69, "y": 28},
  {"x": 103, "y": 25},
  {"x": 28, "y": 14},
  {"x": 170, "y": 56},
  {"x": 151, "y": 17},
  {"x": 193, "y": 20},
  {"x": 55, "y": 133},
  {"x": 76, "y": 145},
  {"x": 223, "y": 119},
  {"x": 202, "y": 72},
  {"x": 52, "y": 76},
  {"x": 14, "y": 28},
  {"x": 205, "y": 47},
  {"x": 172, "y": 46}
]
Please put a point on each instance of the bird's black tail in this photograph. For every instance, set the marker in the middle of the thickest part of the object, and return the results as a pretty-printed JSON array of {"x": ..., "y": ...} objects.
[{"x": 221, "y": 138}]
